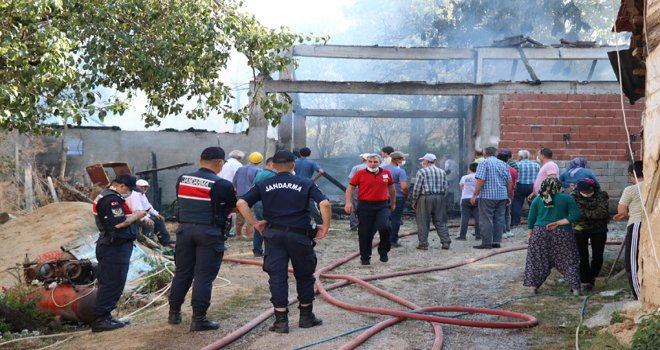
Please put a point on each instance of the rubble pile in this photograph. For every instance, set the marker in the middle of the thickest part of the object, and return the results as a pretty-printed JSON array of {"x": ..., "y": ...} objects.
[{"x": 45, "y": 229}]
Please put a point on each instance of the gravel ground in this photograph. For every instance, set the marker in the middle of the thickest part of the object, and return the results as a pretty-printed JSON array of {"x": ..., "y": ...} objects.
[{"x": 485, "y": 283}]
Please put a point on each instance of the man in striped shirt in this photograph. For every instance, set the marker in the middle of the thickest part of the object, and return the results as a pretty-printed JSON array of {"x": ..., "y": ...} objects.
[
  {"x": 527, "y": 171},
  {"x": 429, "y": 202},
  {"x": 493, "y": 190}
]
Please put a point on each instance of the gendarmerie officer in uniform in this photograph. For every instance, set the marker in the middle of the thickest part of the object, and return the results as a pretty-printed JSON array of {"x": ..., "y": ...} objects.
[
  {"x": 113, "y": 249},
  {"x": 205, "y": 199},
  {"x": 288, "y": 236}
]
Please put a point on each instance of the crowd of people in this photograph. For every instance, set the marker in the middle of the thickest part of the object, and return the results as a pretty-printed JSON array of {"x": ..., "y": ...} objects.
[{"x": 283, "y": 211}]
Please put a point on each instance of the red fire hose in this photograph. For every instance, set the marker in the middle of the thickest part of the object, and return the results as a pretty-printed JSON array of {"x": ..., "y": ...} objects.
[{"x": 527, "y": 320}]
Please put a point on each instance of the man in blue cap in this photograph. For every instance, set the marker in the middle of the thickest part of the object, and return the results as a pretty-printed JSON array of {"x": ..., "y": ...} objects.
[{"x": 288, "y": 236}]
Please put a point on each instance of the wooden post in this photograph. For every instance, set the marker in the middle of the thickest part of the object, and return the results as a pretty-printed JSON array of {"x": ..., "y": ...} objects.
[
  {"x": 64, "y": 149},
  {"x": 17, "y": 175},
  {"x": 51, "y": 188},
  {"x": 461, "y": 136},
  {"x": 29, "y": 192},
  {"x": 155, "y": 188}
]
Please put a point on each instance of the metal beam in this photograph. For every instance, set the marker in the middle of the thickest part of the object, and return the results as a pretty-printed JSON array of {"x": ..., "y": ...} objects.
[
  {"x": 443, "y": 53},
  {"x": 439, "y": 89},
  {"x": 383, "y": 53},
  {"x": 359, "y": 113}
]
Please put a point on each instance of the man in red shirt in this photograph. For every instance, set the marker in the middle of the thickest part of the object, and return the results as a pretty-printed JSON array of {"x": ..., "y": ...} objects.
[{"x": 376, "y": 200}]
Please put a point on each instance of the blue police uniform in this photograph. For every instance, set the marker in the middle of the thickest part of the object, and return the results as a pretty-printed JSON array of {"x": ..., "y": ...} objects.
[
  {"x": 285, "y": 200},
  {"x": 113, "y": 250},
  {"x": 204, "y": 202}
]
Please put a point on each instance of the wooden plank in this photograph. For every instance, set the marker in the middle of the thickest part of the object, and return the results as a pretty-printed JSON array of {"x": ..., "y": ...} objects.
[
  {"x": 442, "y": 53},
  {"x": 446, "y": 89},
  {"x": 360, "y": 113}
]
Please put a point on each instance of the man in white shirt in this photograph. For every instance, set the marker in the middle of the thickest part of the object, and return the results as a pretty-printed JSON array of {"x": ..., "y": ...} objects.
[
  {"x": 153, "y": 222},
  {"x": 232, "y": 164}
]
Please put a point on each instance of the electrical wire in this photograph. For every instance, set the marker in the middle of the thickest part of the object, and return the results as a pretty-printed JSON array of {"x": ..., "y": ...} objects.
[
  {"x": 629, "y": 142},
  {"x": 52, "y": 297},
  {"x": 42, "y": 337},
  {"x": 577, "y": 329},
  {"x": 56, "y": 343}
]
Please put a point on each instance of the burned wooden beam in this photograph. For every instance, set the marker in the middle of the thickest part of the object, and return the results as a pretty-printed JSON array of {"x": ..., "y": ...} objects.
[
  {"x": 360, "y": 113},
  {"x": 530, "y": 70},
  {"x": 439, "y": 89}
]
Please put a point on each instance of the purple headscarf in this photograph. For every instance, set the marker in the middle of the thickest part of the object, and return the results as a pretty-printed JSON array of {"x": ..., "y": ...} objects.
[{"x": 576, "y": 164}]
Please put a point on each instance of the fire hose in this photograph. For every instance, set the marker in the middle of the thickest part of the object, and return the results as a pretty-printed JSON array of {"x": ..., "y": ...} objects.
[{"x": 415, "y": 313}]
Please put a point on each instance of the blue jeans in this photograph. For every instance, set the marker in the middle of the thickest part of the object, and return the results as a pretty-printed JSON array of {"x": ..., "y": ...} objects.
[
  {"x": 395, "y": 219},
  {"x": 491, "y": 220},
  {"x": 519, "y": 197},
  {"x": 257, "y": 238}
]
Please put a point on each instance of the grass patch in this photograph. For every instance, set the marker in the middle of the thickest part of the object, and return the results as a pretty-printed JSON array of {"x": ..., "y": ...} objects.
[
  {"x": 241, "y": 300},
  {"x": 558, "y": 313}
]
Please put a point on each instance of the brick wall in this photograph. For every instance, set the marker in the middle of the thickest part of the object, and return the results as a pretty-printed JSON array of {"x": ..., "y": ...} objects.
[{"x": 593, "y": 123}]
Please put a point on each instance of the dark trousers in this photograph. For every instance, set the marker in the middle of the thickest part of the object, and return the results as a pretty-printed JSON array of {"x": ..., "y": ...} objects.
[
  {"x": 353, "y": 217},
  {"x": 469, "y": 211},
  {"x": 158, "y": 229},
  {"x": 395, "y": 219},
  {"x": 373, "y": 216},
  {"x": 632, "y": 249},
  {"x": 199, "y": 251},
  {"x": 589, "y": 270},
  {"x": 519, "y": 197},
  {"x": 257, "y": 238},
  {"x": 113, "y": 262},
  {"x": 281, "y": 247}
]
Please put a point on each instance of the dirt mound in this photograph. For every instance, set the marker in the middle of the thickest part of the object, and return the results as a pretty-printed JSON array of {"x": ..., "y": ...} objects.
[{"x": 45, "y": 229}]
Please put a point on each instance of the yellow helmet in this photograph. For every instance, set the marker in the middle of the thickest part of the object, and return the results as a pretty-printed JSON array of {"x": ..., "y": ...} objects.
[{"x": 255, "y": 157}]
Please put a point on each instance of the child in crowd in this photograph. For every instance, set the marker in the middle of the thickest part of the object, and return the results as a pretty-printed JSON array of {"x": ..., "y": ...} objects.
[{"x": 468, "y": 184}]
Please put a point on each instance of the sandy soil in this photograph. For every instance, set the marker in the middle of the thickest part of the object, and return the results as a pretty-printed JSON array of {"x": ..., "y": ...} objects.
[
  {"x": 43, "y": 230},
  {"x": 485, "y": 283}
]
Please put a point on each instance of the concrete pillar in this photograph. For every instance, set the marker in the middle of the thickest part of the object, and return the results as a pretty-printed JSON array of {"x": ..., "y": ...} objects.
[{"x": 489, "y": 127}]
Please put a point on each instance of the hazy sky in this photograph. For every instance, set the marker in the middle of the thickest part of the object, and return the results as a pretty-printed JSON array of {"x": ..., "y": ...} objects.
[{"x": 320, "y": 17}]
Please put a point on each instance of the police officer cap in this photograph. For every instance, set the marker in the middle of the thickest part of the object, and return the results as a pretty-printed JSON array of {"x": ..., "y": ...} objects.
[
  {"x": 211, "y": 153},
  {"x": 126, "y": 179},
  {"x": 282, "y": 157}
]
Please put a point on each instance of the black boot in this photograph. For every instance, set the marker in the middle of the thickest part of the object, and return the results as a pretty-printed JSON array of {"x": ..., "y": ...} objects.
[
  {"x": 307, "y": 317},
  {"x": 174, "y": 317},
  {"x": 281, "y": 324},
  {"x": 201, "y": 323},
  {"x": 105, "y": 323}
]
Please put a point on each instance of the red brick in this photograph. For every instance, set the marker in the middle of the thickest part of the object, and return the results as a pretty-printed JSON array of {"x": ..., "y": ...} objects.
[{"x": 552, "y": 97}]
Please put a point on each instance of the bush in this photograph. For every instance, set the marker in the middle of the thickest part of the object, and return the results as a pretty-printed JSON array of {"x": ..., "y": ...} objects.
[
  {"x": 23, "y": 299},
  {"x": 647, "y": 336},
  {"x": 616, "y": 318}
]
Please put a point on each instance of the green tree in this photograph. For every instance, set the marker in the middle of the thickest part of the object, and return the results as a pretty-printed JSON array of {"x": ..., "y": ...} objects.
[{"x": 55, "y": 56}]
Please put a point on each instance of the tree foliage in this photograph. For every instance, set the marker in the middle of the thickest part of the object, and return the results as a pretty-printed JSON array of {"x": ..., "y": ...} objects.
[
  {"x": 472, "y": 23},
  {"x": 55, "y": 55}
]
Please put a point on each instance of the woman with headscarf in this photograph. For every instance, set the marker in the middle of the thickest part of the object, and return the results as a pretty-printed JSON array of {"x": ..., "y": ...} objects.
[
  {"x": 551, "y": 238},
  {"x": 576, "y": 170},
  {"x": 592, "y": 226}
]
